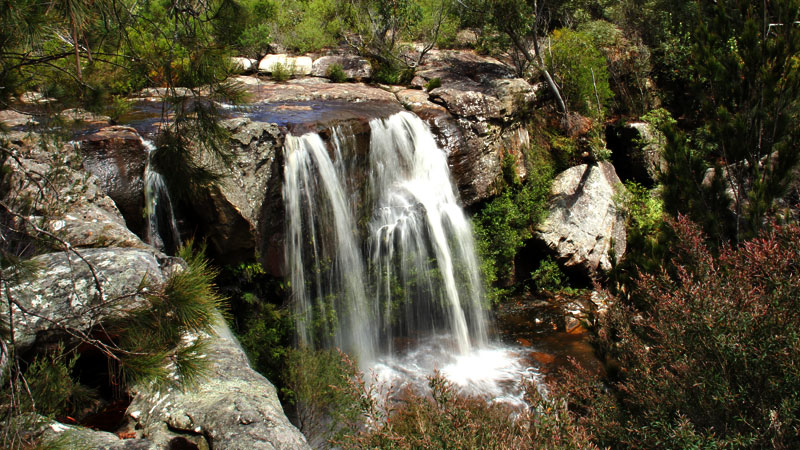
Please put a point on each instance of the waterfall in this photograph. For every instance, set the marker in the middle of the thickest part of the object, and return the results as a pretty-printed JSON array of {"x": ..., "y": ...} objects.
[
  {"x": 395, "y": 260},
  {"x": 162, "y": 229}
]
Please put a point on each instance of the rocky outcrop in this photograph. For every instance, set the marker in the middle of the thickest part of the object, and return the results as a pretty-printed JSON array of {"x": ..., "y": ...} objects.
[
  {"x": 235, "y": 213},
  {"x": 232, "y": 408},
  {"x": 584, "y": 226},
  {"x": 475, "y": 149},
  {"x": 71, "y": 294},
  {"x": 11, "y": 119},
  {"x": 47, "y": 186},
  {"x": 69, "y": 436},
  {"x": 472, "y": 115},
  {"x": 637, "y": 151},
  {"x": 82, "y": 115},
  {"x": 244, "y": 65},
  {"x": 313, "y": 89},
  {"x": 474, "y": 86},
  {"x": 117, "y": 156},
  {"x": 354, "y": 67}
]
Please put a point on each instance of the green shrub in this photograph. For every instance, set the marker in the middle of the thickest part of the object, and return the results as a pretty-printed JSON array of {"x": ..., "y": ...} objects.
[
  {"x": 393, "y": 74},
  {"x": 305, "y": 26},
  {"x": 581, "y": 72},
  {"x": 255, "y": 40},
  {"x": 433, "y": 84},
  {"x": 504, "y": 223},
  {"x": 644, "y": 208},
  {"x": 628, "y": 65},
  {"x": 54, "y": 392},
  {"x": 548, "y": 276},
  {"x": 336, "y": 73},
  {"x": 281, "y": 72},
  {"x": 265, "y": 335},
  {"x": 119, "y": 107},
  {"x": 316, "y": 384}
]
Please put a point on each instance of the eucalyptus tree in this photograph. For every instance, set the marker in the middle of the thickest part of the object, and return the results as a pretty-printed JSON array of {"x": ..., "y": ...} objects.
[{"x": 521, "y": 21}]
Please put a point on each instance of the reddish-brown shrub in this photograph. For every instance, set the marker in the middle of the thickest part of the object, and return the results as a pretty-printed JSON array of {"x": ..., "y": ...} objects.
[{"x": 712, "y": 359}]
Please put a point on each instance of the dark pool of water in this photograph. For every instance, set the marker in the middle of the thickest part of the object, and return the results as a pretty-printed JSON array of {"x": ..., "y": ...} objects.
[{"x": 539, "y": 326}]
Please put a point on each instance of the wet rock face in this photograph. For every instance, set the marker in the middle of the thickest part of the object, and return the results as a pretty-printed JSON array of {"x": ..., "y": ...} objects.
[
  {"x": 475, "y": 149},
  {"x": 583, "y": 225},
  {"x": 233, "y": 408},
  {"x": 233, "y": 212},
  {"x": 117, "y": 157},
  {"x": 65, "y": 292}
]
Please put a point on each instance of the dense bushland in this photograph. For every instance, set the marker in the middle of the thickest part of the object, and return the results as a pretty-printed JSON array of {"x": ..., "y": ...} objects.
[{"x": 707, "y": 356}]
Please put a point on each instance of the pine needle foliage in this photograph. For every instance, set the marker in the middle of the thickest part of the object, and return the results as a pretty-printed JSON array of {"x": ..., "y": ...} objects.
[
  {"x": 747, "y": 81},
  {"x": 164, "y": 342},
  {"x": 53, "y": 391}
]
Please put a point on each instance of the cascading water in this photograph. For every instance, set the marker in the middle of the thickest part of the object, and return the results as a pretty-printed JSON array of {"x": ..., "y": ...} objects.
[
  {"x": 162, "y": 229},
  {"x": 422, "y": 252},
  {"x": 327, "y": 272},
  {"x": 387, "y": 273}
]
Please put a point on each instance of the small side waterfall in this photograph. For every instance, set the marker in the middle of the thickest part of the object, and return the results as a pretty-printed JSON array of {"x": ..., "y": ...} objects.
[
  {"x": 396, "y": 260},
  {"x": 162, "y": 229}
]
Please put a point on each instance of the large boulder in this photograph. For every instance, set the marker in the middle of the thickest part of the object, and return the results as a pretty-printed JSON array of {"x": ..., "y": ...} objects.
[
  {"x": 48, "y": 188},
  {"x": 244, "y": 65},
  {"x": 234, "y": 407},
  {"x": 584, "y": 226},
  {"x": 117, "y": 156},
  {"x": 73, "y": 292},
  {"x": 354, "y": 67}
]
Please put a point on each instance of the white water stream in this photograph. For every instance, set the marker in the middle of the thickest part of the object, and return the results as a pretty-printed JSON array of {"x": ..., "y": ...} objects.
[
  {"x": 389, "y": 273},
  {"x": 162, "y": 229}
]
